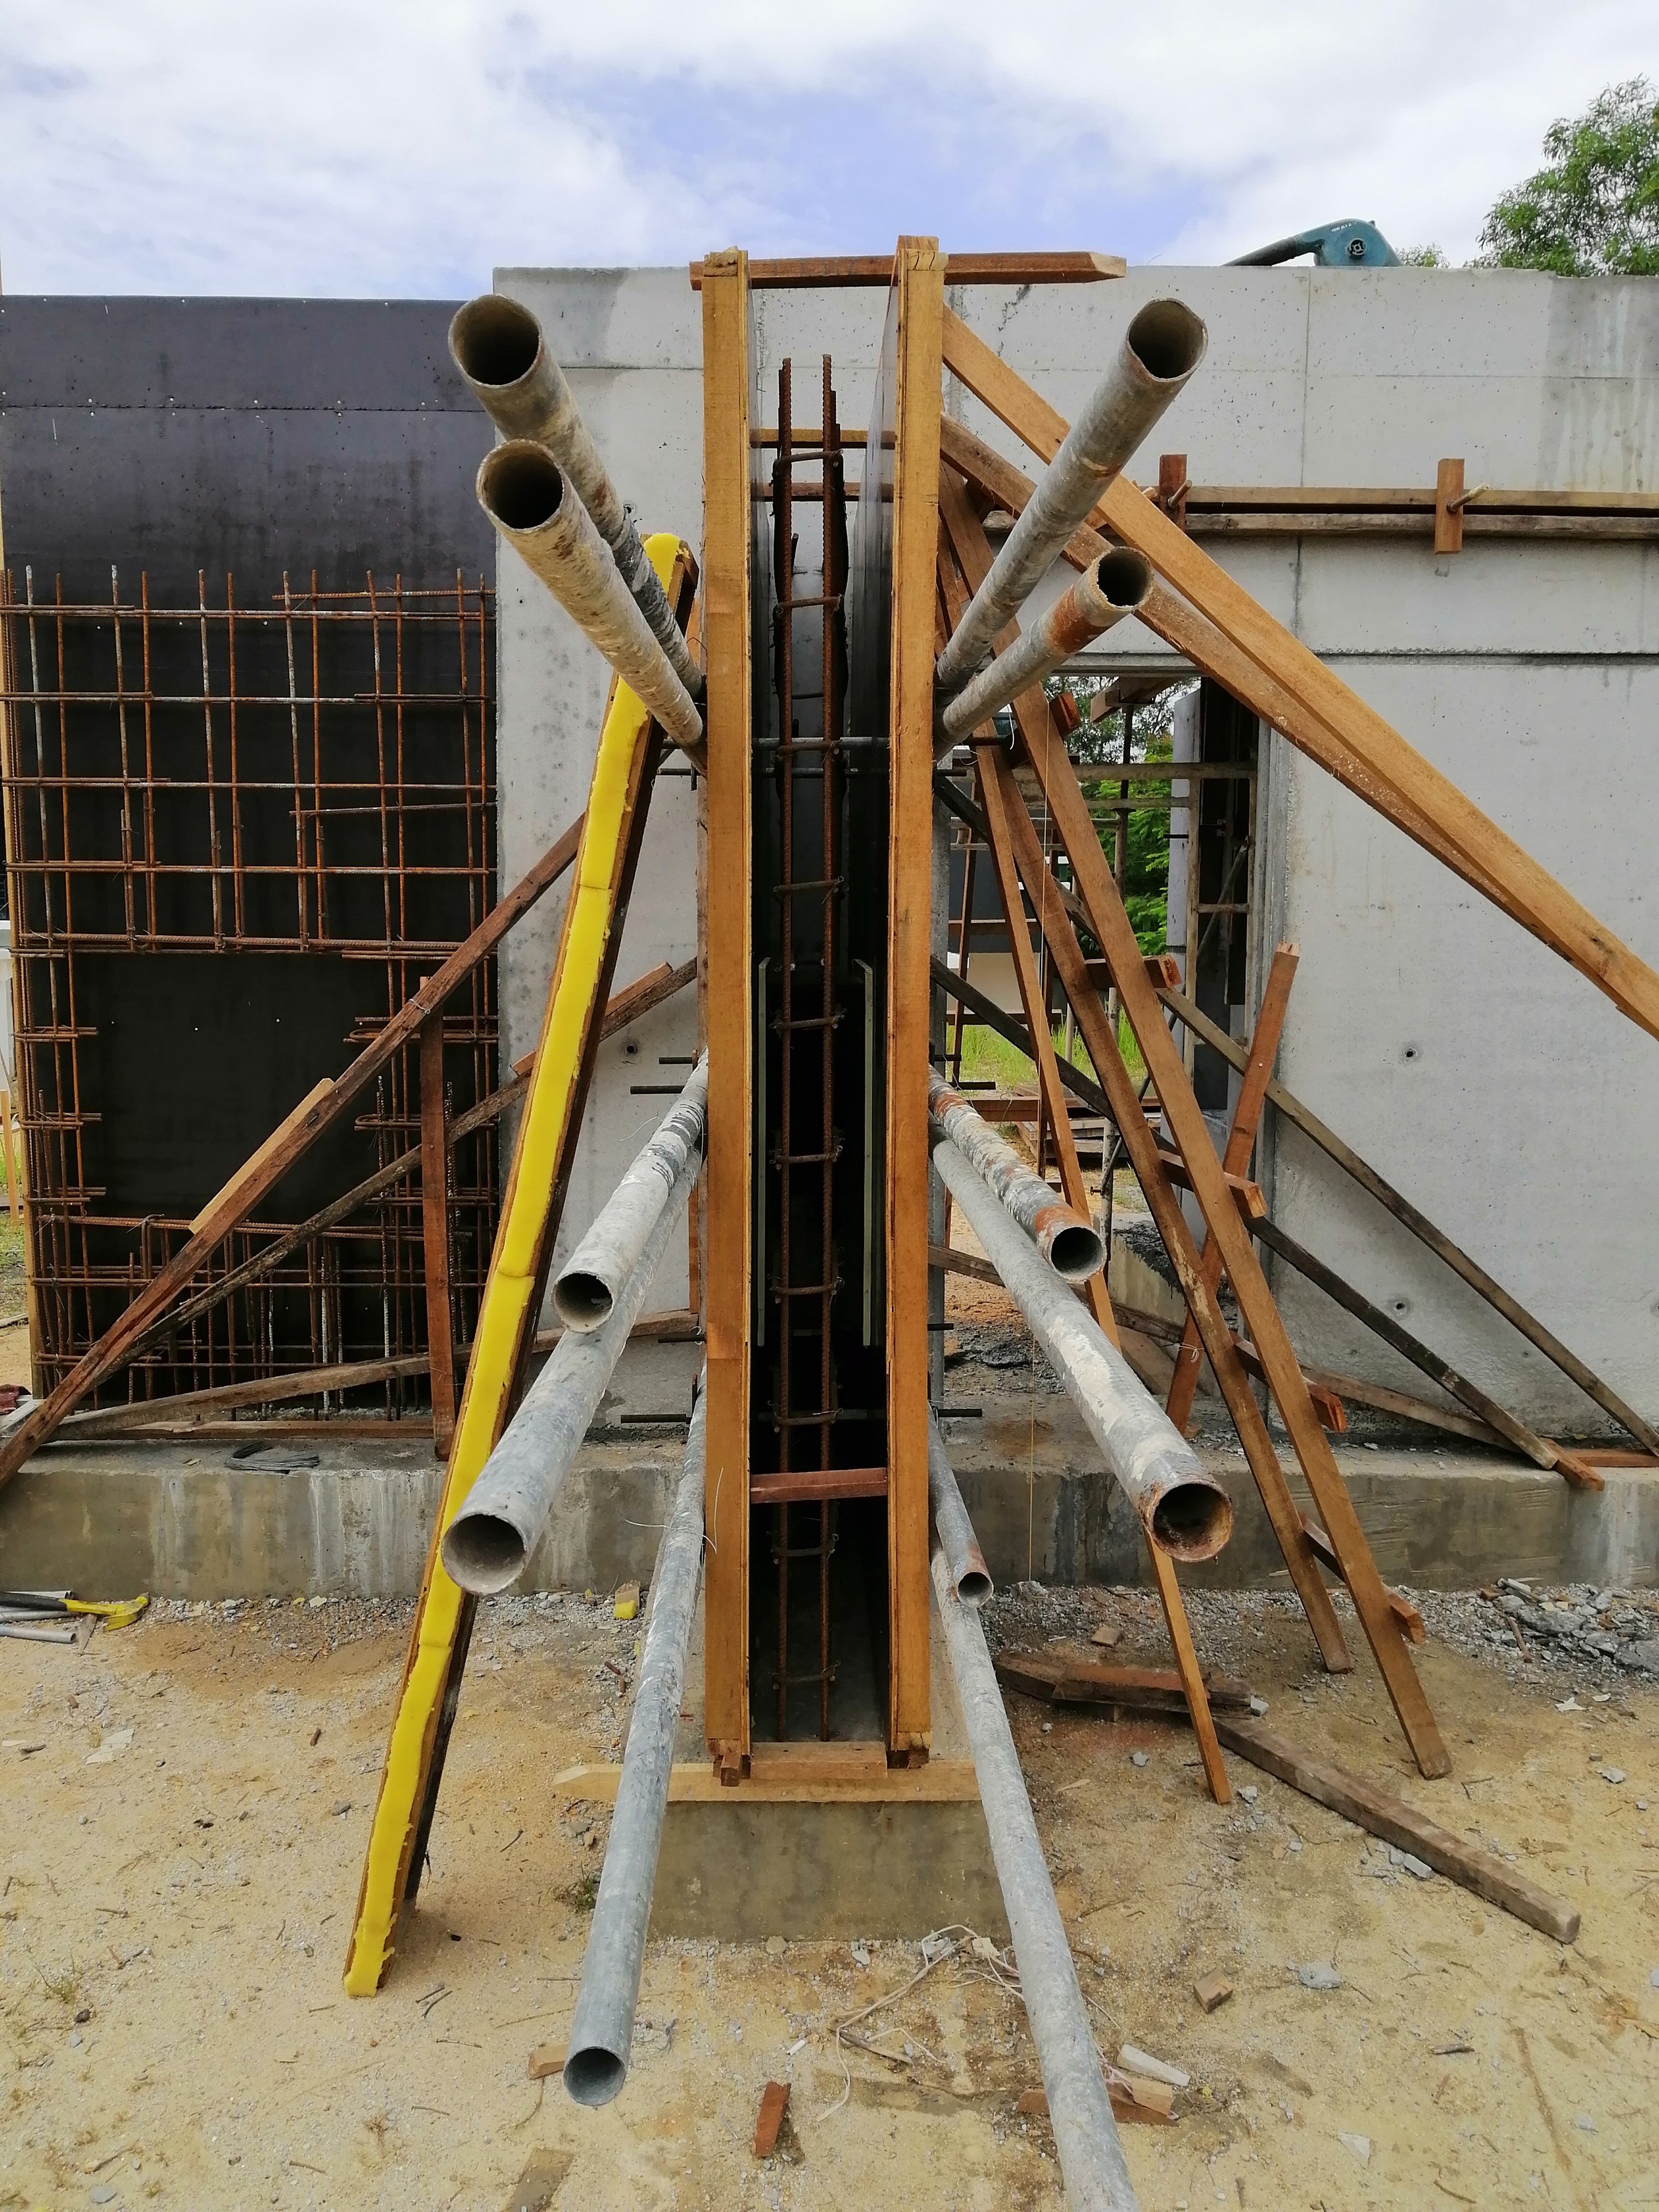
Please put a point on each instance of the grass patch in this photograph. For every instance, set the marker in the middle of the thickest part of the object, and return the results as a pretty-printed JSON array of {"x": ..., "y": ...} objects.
[{"x": 987, "y": 1057}]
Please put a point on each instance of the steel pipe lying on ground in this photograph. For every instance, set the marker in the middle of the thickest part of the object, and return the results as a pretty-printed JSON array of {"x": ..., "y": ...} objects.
[
  {"x": 1162, "y": 347},
  {"x": 1183, "y": 1509},
  {"x": 601, "y": 2030},
  {"x": 588, "y": 1283},
  {"x": 498, "y": 347},
  {"x": 499, "y": 1524},
  {"x": 1067, "y": 1240},
  {"x": 534, "y": 506},
  {"x": 1079, "y": 2109},
  {"x": 970, "y": 1577},
  {"x": 1117, "y": 584}
]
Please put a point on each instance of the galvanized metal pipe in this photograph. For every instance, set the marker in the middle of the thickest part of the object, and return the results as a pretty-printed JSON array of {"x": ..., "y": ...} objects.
[
  {"x": 534, "y": 506},
  {"x": 498, "y": 346},
  {"x": 489, "y": 1541},
  {"x": 1161, "y": 349},
  {"x": 601, "y": 2030},
  {"x": 1117, "y": 584},
  {"x": 970, "y": 1577},
  {"x": 1067, "y": 1240},
  {"x": 588, "y": 1283},
  {"x": 1092, "y": 2159},
  {"x": 1183, "y": 1509}
]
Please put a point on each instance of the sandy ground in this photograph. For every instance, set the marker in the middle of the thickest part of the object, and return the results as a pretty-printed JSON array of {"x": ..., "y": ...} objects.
[{"x": 175, "y": 1918}]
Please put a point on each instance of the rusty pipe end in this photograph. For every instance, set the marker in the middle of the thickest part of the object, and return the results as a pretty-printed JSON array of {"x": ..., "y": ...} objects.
[
  {"x": 974, "y": 1584},
  {"x": 520, "y": 486},
  {"x": 1124, "y": 578},
  {"x": 1073, "y": 1248},
  {"x": 495, "y": 342},
  {"x": 1167, "y": 341},
  {"x": 1192, "y": 1521}
]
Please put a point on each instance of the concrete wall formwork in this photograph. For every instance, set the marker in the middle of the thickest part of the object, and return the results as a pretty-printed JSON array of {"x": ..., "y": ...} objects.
[{"x": 1479, "y": 1073}]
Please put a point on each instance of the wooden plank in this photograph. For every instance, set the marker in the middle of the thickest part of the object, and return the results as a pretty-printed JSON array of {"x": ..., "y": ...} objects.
[
  {"x": 654, "y": 988},
  {"x": 1448, "y": 507},
  {"x": 1396, "y": 1822},
  {"x": 595, "y": 915},
  {"x": 1247, "y": 1195},
  {"x": 225, "y": 1397},
  {"x": 1411, "y": 1620},
  {"x": 1326, "y": 1401},
  {"x": 962, "y": 1263},
  {"x": 809, "y": 1485},
  {"x": 774, "y": 1781},
  {"x": 231, "y": 1198},
  {"x": 834, "y": 271},
  {"x": 242, "y": 1194},
  {"x": 1235, "y": 1159},
  {"x": 1125, "y": 1104},
  {"x": 727, "y": 570},
  {"x": 917, "y": 305},
  {"x": 1583, "y": 529},
  {"x": 434, "y": 1234},
  {"x": 1070, "y": 1678},
  {"x": 8, "y": 1140},
  {"x": 1116, "y": 937},
  {"x": 1514, "y": 1430},
  {"x": 999, "y": 795},
  {"x": 1529, "y": 890},
  {"x": 1417, "y": 501},
  {"x": 1284, "y": 1102},
  {"x": 1199, "y": 641}
]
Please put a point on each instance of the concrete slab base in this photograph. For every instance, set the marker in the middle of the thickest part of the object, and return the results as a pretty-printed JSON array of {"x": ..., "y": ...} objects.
[
  {"x": 178, "y": 1520},
  {"x": 857, "y": 1852}
]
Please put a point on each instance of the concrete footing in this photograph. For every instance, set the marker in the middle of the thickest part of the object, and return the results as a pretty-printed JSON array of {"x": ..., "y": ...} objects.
[{"x": 181, "y": 1520}]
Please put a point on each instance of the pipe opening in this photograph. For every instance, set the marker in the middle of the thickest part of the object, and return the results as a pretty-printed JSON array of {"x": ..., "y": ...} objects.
[
  {"x": 975, "y": 1585},
  {"x": 521, "y": 485},
  {"x": 495, "y": 341},
  {"x": 1123, "y": 578},
  {"x": 583, "y": 1301},
  {"x": 1076, "y": 1252},
  {"x": 1168, "y": 339},
  {"x": 1192, "y": 1521},
  {"x": 593, "y": 2075},
  {"x": 482, "y": 1554}
]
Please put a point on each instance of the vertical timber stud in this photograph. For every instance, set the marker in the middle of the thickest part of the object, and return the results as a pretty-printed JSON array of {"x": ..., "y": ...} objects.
[
  {"x": 726, "y": 574},
  {"x": 917, "y": 310}
]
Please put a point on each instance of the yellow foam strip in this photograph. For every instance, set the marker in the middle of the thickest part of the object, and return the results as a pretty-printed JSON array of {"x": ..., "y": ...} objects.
[{"x": 508, "y": 1292}]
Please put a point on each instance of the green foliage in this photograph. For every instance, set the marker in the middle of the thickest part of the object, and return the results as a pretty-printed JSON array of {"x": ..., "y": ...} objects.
[
  {"x": 1593, "y": 210},
  {"x": 1422, "y": 257},
  {"x": 1095, "y": 747}
]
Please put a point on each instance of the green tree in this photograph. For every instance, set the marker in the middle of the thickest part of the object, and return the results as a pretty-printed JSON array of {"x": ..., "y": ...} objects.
[
  {"x": 1096, "y": 746},
  {"x": 1593, "y": 210}
]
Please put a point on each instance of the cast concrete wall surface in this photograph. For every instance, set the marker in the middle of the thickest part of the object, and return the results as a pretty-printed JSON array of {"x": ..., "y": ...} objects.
[{"x": 1495, "y": 1086}]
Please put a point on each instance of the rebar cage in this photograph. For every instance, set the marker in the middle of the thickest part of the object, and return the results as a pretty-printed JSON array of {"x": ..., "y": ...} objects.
[{"x": 237, "y": 838}]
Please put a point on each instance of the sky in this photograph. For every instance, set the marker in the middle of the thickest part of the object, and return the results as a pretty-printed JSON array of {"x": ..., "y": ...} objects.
[{"x": 321, "y": 148}]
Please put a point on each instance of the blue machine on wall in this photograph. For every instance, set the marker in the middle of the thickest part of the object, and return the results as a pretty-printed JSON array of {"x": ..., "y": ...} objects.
[{"x": 1351, "y": 245}]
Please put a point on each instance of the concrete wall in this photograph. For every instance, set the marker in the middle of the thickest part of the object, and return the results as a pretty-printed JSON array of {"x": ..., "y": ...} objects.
[{"x": 1483, "y": 1077}]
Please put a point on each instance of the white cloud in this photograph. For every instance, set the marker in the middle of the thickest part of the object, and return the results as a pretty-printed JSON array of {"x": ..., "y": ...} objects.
[{"x": 170, "y": 145}]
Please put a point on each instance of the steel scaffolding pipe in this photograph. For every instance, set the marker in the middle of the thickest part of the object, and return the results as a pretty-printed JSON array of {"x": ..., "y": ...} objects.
[
  {"x": 1162, "y": 347},
  {"x": 970, "y": 1577},
  {"x": 534, "y": 506},
  {"x": 1091, "y": 2159},
  {"x": 1067, "y": 1240},
  {"x": 1117, "y": 584},
  {"x": 498, "y": 347},
  {"x": 593, "y": 1276},
  {"x": 601, "y": 2030},
  {"x": 1183, "y": 1509},
  {"x": 489, "y": 1541}
]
